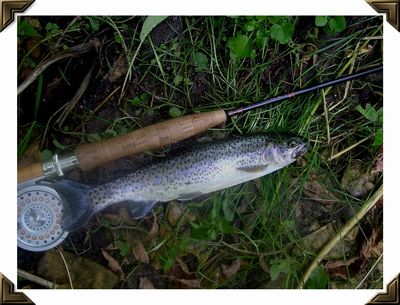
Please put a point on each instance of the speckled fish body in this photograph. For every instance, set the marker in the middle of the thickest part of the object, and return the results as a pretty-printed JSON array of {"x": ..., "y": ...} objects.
[{"x": 199, "y": 170}]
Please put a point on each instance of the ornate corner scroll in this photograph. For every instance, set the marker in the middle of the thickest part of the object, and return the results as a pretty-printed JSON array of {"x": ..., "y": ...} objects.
[
  {"x": 9, "y": 296},
  {"x": 391, "y": 8},
  {"x": 391, "y": 296},
  {"x": 8, "y": 8}
]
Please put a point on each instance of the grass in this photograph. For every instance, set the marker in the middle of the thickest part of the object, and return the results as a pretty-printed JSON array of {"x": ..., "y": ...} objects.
[{"x": 255, "y": 225}]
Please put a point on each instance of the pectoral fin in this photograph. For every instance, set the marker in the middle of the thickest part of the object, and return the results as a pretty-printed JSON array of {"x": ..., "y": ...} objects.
[
  {"x": 139, "y": 209},
  {"x": 189, "y": 196},
  {"x": 253, "y": 169}
]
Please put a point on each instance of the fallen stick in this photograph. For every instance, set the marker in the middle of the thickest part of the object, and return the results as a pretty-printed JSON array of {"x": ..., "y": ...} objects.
[
  {"x": 342, "y": 232},
  {"x": 36, "y": 279}
]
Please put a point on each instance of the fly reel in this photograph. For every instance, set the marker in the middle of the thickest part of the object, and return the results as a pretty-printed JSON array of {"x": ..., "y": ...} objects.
[{"x": 40, "y": 212}]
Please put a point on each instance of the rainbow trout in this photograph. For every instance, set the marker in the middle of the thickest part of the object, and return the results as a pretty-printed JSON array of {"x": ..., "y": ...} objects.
[{"x": 197, "y": 171}]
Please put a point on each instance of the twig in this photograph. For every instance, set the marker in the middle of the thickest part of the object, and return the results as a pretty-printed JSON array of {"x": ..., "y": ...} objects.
[
  {"x": 73, "y": 51},
  {"x": 48, "y": 124},
  {"x": 328, "y": 133},
  {"x": 36, "y": 279},
  {"x": 369, "y": 272},
  {"x": 251, "y": 252},
  {"x": 347, "y": 149},
  {"x": 66, "y": 268},
  {"x": 342, "y": 232},
  {"x": 346, "y": 91},
  {"x": 64, "y": 32},
  {"x": 102, "y": 103}
]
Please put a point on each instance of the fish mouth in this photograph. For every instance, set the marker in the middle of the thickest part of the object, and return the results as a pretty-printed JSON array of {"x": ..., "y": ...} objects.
[{"x": 299, "y": 151}]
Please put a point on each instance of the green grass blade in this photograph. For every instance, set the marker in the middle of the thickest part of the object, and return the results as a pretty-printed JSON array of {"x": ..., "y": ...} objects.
[{"x": 149, "y": 24}]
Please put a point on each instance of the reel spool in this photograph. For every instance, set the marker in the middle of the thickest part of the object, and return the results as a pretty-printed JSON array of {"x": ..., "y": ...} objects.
[{"x": 40, "y": 212}]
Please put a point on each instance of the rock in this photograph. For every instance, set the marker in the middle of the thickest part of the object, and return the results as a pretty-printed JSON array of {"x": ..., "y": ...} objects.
[
  {"x": 315, "y": 241},
  {"x": 145, "y": 283},
  {"x": 358, "y": 181},
  {"x": 84, "y": 272}
]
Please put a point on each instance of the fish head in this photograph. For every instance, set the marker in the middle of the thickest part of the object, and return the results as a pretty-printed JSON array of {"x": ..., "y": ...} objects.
[{"x": 282, "y": 152}]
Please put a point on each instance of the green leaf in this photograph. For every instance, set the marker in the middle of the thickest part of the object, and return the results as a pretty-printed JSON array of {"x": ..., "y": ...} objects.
[
  {"x": 59, "y": 145},
  {"x": 274, "y": 19},
  {"x": 215, "y": 209},
  {"x": 149, "y": 24},
  {"x": 277, "y": 267},
  {"x": 110, "y": 133},
  {"x": 282, "y": 32},
  {"x": 337, "y": 24},
  {"x": 144, "y": 96},
  {"x": 200, "y": 60},
  {"x": 25, "y": 30},
  {"x": 178, "y": 79},
  {"x": 378, "y": 141},
  {"x": 321, "y": 20},
  {"x": 94, "y": 23},
  {"x": 261, "y": 39},
  {"x": 124, "y": 248},
  {"x": 52, "y": 28},
  {"x": 318, "y": 279},
  {"x": 118, "y": 38},
  {"x": 250, "y": 25},
  {"x": 369, "y": 113},
  {"x": 136, "y": 101},
  {"x": 211, "y": 234},
  {"x": 169, "y": 262},
  {"x": 240, "y": 47},
  {"x": 228, "y": 211},
  {"x": 46, "y": 154},
  {"x": 380, "y": 114},
  {"x": 274, "y": 272},
  {"x": 200, "y": 233},
  {"x": 175, "y": 112},
  {"x": 224, "y": 226},
  {"x": 124, "y": 27}
]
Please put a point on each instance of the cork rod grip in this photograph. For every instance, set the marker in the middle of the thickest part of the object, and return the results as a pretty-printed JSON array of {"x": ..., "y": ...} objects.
[
  {"x": 30, "y": 172},
  {"x": 150, "y": 137}
]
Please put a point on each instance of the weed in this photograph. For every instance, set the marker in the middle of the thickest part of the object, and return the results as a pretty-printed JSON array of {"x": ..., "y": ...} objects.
[
  {"x": 376, "y": 118},
  {"x": 331, "y": 25}
]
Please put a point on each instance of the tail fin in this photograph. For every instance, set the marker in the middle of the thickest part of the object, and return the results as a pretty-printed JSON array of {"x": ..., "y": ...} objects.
[{"x": 77, "y": 203}]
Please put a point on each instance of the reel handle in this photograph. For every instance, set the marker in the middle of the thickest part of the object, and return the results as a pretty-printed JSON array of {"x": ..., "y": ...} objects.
[
  {"x": 150, "y": 137},
  {"x": 154, "y": 136}
]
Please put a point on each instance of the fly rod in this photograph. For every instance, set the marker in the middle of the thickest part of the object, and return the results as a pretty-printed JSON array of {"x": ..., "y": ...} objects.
[{"x": 88, "y": 156}]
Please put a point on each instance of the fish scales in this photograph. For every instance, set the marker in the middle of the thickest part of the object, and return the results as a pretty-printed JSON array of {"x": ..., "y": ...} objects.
[{"x": 197, "y": 169}]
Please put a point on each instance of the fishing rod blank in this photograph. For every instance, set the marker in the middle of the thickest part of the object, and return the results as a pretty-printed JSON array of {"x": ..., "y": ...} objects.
[{"x": 303, "y": 91}]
